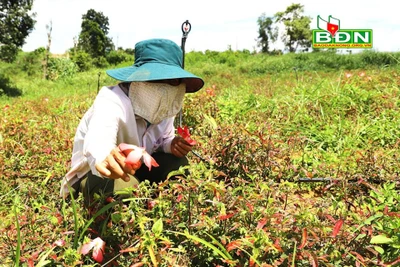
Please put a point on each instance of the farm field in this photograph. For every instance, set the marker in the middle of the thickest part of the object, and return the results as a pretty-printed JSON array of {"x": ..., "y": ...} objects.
[{"x": 265, "y": 126}]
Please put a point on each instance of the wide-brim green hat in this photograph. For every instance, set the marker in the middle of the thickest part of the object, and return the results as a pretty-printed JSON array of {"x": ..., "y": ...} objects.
[{"x": 157, "y": 59}]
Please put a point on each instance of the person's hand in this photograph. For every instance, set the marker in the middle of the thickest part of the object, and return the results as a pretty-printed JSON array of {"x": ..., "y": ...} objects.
[
  {"x": 114, "y": 166},
  {"x": 179, "y": 147}
]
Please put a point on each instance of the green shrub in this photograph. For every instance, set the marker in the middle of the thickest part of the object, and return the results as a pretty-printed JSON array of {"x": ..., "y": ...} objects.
[
  {"x": 380, "y": 59},
  {"x": 130, "y": 51},
  {"x": 61, "y": 68},
  {"x": 83, "y": 60},
  {"x": 195, "y": 57},
  {"x": 100, "y": 62},
  {"x": 8, "y": 53},
  {"x": 31, "y": 62},
  {"x": 119, "y": 56}
]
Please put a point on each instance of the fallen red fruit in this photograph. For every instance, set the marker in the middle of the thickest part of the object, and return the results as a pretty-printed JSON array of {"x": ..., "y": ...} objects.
[{"x": 98, "y": 246}]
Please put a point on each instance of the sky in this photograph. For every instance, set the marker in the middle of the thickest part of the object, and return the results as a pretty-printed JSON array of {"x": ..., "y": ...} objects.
[{"x": 216, "y": 24}]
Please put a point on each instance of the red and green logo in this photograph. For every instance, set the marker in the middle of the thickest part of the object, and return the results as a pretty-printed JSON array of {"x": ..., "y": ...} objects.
[{"x": 330, "y": 35}]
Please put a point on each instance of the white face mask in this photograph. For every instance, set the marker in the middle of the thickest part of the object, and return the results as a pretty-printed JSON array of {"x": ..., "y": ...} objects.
[{"x": 156, "y": 101}]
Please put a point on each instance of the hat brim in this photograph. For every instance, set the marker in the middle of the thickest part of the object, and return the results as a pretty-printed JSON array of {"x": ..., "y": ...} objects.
[{"x": 157, "y": 71}]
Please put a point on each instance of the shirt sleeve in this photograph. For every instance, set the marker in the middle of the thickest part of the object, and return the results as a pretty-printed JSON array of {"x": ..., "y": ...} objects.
[
  {"x": 168, "y": 136},
  {"x": 102, "y": 131}
]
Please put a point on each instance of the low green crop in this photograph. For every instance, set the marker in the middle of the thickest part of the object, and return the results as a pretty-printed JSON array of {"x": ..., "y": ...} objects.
[{"x": 260, "y": 125}]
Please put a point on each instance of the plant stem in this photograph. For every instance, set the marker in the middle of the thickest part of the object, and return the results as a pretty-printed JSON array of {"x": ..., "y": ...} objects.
[
  {"x": 18, "y": 248},
  {"x": 75, "y": 218},
  {"x": 294, "y": 255}
]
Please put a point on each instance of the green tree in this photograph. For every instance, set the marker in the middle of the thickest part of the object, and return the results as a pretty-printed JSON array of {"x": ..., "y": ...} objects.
[
  {"x": 297, "y": 32},
  {"x": 93, "y": 37},
  {"x": 15, "y": 25},
  {"x": 267, "y": 33}
]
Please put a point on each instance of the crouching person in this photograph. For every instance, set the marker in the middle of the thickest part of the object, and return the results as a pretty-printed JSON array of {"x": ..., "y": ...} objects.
[{"x": 140, "y": 111}]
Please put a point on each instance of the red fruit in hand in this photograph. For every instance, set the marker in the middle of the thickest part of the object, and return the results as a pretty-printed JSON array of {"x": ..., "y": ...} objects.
[
  {"x": 184, "y": 133},
  {"x": 134, "y": 154}
]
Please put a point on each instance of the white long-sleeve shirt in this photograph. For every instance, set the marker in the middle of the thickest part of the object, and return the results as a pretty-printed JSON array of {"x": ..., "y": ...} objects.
[{"x": 109, "y": 122}]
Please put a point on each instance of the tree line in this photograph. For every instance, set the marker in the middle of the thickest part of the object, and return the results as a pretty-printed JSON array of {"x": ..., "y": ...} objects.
[
  {"x": 16, "y": 23},
  {"x": 295, "y": 36}
]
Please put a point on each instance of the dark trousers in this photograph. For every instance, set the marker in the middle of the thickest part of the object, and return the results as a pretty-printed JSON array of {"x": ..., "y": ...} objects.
[{"x": 167, "y": 163}]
